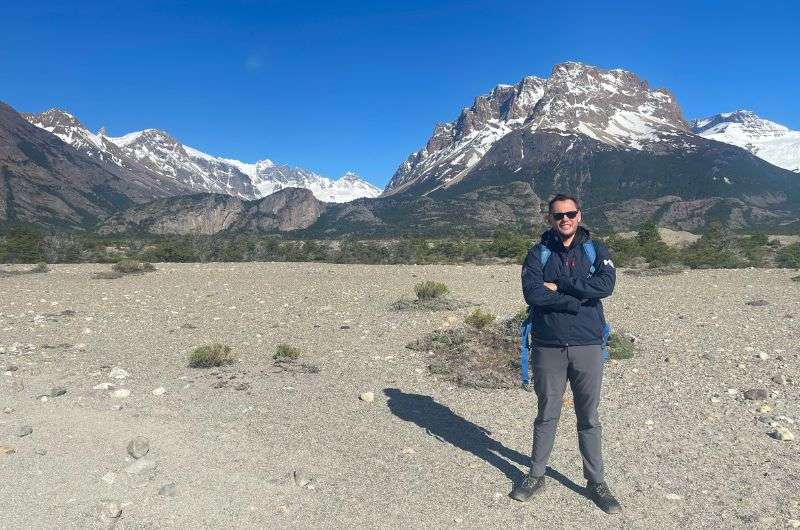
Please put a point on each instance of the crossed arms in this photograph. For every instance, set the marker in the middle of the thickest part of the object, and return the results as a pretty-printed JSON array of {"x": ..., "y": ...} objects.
[{"x": 566, "y": 294}]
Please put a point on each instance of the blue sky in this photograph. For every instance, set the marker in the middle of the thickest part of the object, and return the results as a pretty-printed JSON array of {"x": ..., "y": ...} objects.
[{"x": 336, "y": 86}]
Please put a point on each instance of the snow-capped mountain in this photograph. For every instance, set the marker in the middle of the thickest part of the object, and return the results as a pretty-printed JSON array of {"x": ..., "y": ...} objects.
[
  {"x": 613, "y": 107},
  {"x": 49, "y": 183},
  {"x": 766, "y": 139},
  {"x": 156, "y": 152}
]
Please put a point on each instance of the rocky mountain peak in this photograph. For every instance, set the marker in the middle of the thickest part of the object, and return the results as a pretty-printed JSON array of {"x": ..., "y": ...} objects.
[
  {"x": 614, "y": 107},
  {"x": 351, "y": 177},
  {"x": 151, "y": 137},
  {"x": 55, "y": 119},
  {"x": 264, "y": 164}
]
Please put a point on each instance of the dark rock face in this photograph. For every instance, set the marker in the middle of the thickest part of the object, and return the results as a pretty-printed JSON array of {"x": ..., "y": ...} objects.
[
  {"x": 208, "y": 214},
  {"x": 47, "y": 182},
  {"x": 202, "y": 214},
  {"x": 285, "y": 210}
]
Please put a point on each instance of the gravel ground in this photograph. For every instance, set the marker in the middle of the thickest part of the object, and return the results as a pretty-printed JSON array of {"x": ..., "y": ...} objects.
[{"x": 683, "y": 447}]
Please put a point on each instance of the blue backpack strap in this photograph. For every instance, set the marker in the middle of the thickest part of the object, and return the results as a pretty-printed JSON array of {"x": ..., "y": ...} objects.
[
  {"x": 544, "y": 255},
  {"x": 591, "y": 254},
  {"x": 527, "y": 326},
  {"x": 524, "y": 349},
  {"x": 606, "y": 336}
]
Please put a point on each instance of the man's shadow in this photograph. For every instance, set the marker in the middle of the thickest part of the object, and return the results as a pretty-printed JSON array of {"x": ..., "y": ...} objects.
[{"x": 447, "y": 426}]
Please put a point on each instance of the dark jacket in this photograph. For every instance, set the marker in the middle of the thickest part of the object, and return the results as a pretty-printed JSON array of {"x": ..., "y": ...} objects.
[{"x": 572, "y": 316}]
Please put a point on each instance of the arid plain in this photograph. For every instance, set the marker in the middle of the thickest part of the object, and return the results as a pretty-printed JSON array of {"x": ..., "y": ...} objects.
[{"x": 256, "y": 445}]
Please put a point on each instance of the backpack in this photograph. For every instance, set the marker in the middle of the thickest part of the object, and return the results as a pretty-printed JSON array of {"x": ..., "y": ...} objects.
[{"x": 527, "y": 326}]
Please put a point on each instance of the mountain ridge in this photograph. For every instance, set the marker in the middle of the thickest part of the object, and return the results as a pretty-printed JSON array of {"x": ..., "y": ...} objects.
[{"x": 156, "y": 151}]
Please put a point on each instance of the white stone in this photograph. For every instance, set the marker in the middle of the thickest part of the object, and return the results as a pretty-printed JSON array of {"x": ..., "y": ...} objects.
[
  {"x": 109, "y": 511},
  {"x": 121, "y": 393},
  {"x": 109, "y": 478},
  {"x": 782, "y": 433},
  {"x": 674, "y": 497},
  {"x": 160, "y": 391},
  {"x": 118, "y": 373},
  {"x": 103, "y": 386},
  {"x": 141, "y": 465},
  {"x": 369, "y": 397}
]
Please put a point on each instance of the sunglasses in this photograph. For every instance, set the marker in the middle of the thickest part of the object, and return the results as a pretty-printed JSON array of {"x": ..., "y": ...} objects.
[{"x": 560, "y": 215}]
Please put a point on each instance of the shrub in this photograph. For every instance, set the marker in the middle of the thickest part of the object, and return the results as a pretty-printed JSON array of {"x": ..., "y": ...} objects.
[
  {"x": 173, "y": 251},
  {"x": 623, "y": 249},
  {"x": 520, "y": 316},
  {"x": 130, "y": 266},
  {"x": 795, "y": 278},
  {"x": 480, "y": 318},
  {"x": 40, "y": 268},
  {"x": 429, "y": 290},
  {"x": 648, "y": 233},
  {"x": 211, "y": 355},
  {"x": 789, "y": 256},
  {"x": 473, "y": 358},
  {"x": 620, "y": 347},
  {"x": 715, "y": 249},
  {"x": 23, "y": 244},
  {"x": 285, "y": 352},
  {"x": 507, "y": 243}
]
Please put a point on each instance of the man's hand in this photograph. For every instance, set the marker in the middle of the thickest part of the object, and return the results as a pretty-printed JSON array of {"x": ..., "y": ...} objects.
[{"x": 551, "y": 286}]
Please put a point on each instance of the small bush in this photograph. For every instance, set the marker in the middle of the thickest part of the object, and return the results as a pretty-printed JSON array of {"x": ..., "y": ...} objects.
[
  {"x": 429, "y": 290},
  {"x": 789, "y": 256},
  {"x": 795, "y": 278},
  {"x": 473, "y": 358},
  {"x": 285, "y": 352},
  {"x": 479, "y": 318},
  {"x": 130, "y": 266},
  {"x": 620, "y": 347},
  {"x": 520, "y": 316},
  {"x": 40, "y": 268},
  {"x": 211, "y": 355}
]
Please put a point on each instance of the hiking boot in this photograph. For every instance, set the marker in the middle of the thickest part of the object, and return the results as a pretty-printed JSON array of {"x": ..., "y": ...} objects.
[
  {"x": 527, "y": 488},
  {"x": 603, "y": 498}
]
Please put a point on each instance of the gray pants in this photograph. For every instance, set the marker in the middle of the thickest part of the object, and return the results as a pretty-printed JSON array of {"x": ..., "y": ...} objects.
[{"x": 583, "y": 367}]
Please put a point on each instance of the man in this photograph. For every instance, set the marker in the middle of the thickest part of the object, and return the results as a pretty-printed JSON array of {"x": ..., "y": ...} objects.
[{"x": 567, "y": 337}]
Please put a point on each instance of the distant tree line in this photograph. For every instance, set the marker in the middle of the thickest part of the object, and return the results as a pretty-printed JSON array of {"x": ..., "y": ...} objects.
[{"x": 717, "y": 248}]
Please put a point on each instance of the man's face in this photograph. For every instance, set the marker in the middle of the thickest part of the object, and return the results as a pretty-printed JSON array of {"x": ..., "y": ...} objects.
[{"x": 565, "y": 226}]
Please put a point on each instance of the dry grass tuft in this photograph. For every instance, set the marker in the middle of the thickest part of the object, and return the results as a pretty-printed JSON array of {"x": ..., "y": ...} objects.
[{"x": 211, "y": 355}]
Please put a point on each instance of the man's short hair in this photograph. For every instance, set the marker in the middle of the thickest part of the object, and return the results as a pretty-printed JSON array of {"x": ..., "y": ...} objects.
[{"x": 562, "y": 197}]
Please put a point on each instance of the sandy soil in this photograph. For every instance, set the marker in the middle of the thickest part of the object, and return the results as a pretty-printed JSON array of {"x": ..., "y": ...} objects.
[{"x": 683, "y": 447}]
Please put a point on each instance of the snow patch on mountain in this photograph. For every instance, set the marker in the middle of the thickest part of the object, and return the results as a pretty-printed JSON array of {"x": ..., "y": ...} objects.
[{"x": 766, "y": 139}]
